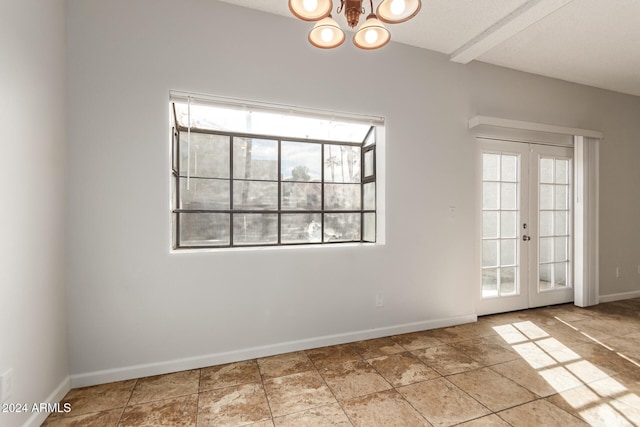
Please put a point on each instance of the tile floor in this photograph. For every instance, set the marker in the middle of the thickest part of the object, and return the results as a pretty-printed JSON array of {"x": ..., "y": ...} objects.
[{"x": 559, "y": 365}]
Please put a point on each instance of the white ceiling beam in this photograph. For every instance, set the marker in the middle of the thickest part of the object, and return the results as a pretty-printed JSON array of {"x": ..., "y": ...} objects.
[{"x": 520, "y": 19}]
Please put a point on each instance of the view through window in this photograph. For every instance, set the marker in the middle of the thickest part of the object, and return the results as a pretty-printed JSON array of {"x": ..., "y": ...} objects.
[{"x": 252, "y": 175}]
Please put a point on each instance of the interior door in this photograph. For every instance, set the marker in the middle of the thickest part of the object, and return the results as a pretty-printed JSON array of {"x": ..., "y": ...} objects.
[{"x": 525, "y": 226}]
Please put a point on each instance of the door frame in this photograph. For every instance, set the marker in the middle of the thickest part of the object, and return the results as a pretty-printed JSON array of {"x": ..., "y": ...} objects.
[{"x": 586, "y": 192}]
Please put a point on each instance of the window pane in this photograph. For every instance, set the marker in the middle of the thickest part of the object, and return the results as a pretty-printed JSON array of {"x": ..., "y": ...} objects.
[
  {"x": 369, "y": 227},
  {"x": 508, "y": 281},
  {"x": 560, "y": 274},
  {"x": 546, "y": 223},
  {"x": 546, "y": 170},
  {"x": 204, "y": 155},
  {"x": 204, "y": 193},
  {"x": 509, "y": 168},
  {"x": 255, "y": 195},
  {"x": 546, "y": 196},
  {"x": 369, "y": 165},
  {"x": 369, "y": 196},
  {"x": 301, "y": 161},
  {"x": 490, "y": 253},
  {"x": 371, "y": 138},
  {"x": 562, "y": 171},
  {"x": 490, "y": 195},
  {"x": 342, "y": 196},
  {"x": 341, "y": 163},
  {"x": 301, "y": 196},
  {"x": 508, "y": 196},
  {"x": 490, "y": 167},
  {"x": 546, "y": 249},
  {"x": 342, "y": 227},
  {"x": 508, "y": 252},
  {"x": 508, "y": 226},
  {"x": 545, "y": 279},
  {"x": 489, "y": 282},
  {"x": 490, "y": 224},
  {"x": 301, "y": 228},
  {"x": 561, "y": 252},
  {"x": 252, "y": 229},
  {"x": 204, "y": 229},
  {"x": 561, "y": 226},
  {"x": 255, "y": 159},
  {"x": 562, "y": 200}
]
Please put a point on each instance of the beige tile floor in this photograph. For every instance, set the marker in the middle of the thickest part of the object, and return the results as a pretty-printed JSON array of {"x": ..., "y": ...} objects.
[{"x": 559, "y": 365}]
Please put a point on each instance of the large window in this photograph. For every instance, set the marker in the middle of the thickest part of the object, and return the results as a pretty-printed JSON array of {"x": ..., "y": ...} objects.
[{"x": 256, "y": 176}]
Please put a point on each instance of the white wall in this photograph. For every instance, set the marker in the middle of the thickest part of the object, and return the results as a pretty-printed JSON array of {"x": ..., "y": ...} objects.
[
  {"x": 33, "y": 329},
  {"x": 137, "y": 309}
]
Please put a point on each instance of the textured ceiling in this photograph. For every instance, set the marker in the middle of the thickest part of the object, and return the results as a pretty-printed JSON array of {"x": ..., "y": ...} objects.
[{"x": 593, "y": 42}]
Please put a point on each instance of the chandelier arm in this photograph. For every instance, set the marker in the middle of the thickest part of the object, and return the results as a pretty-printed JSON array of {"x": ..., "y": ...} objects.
[
  {"x": 340, "y": 8},
  {"x": 371, "y": 3}
]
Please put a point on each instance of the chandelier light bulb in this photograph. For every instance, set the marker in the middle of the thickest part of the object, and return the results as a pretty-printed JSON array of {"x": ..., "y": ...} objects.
[
  {"x": 396, "y": 11},
  {"x": 310, "y": 5},
  {"x": 398, "y": 7},
  {"x": 371, "y": 36},
  {"x": 326, "y": 35}
]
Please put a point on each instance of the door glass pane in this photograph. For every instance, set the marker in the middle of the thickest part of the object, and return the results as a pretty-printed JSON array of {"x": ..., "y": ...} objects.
[
  {"x": 490, "y": 195},
  {"x": 509, "y": 168},
  {"x": 546, "y": 171},
  {"x": 490, "y": 167},
  {"x": 508, "y": 196},
  {"x": 561, "y": 251},
  {"x": 554, "y": 231},
  {"x": 562, "y": 171},
  {"x": 546, "y": 196},
  {"x": 562, "y": 200},
  {"x": 545, "y": 279},
  {"x": 508, "y": 226},
  {"x": 490, "y": 253},
  {"x": 508, "y": 252},
  {"x": 500, "y": 204},
  {"x": 507, "y": 281},
  {"x": 546, "y": 249},
  {"x": 546, "y": 223},
  {"x": 490, "y": 224},
  {"x": 490, "y": 282},
  {"x": 560, "y": 274},
  {"x": 560, "y": 226}
]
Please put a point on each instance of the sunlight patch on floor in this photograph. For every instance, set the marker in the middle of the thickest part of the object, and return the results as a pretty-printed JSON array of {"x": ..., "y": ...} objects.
[{"x": 597, "y": 397}]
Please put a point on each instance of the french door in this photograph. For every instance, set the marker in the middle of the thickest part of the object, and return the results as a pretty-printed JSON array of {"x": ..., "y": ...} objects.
[{"x": 526, "y": 239}]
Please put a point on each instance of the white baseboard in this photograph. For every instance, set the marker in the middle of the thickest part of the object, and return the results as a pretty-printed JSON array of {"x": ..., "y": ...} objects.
[
  {"x": 149, "y": 369},
  {"x": 620, "y": 296},
  {"x": 37, "y": 418}
]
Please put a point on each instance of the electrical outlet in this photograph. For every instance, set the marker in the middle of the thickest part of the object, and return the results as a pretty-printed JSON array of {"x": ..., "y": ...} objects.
[
  {"x": 379, "y": 300},
  {"x": 6, "y": 386}
]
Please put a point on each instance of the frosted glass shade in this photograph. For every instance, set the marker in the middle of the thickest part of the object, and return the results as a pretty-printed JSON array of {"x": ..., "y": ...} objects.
[
  {"x": 326, "y": 34},
  {"x": 310, "y": 10},
  {"x": 372, "y": 34},
  {"x": 396, "y": 11}
]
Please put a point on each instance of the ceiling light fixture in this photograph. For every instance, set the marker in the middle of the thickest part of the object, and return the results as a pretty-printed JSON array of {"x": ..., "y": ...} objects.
[{"x": 327, "y": 34}]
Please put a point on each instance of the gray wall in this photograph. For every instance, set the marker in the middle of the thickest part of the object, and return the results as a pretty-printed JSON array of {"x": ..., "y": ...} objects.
[
  {"x": 33, "y": 334},
  {"x": 135, "y": 308}
]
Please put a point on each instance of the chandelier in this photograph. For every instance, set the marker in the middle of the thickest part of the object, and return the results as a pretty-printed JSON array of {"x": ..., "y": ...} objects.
[{"x": 327, "y": 34}]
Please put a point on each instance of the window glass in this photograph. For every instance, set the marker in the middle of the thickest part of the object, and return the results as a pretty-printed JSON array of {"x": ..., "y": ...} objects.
[{"x": 240, "y": 181}]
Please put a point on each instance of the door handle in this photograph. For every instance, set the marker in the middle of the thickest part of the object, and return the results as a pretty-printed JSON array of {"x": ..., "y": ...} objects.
[{"x": 526, "y": 238}]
